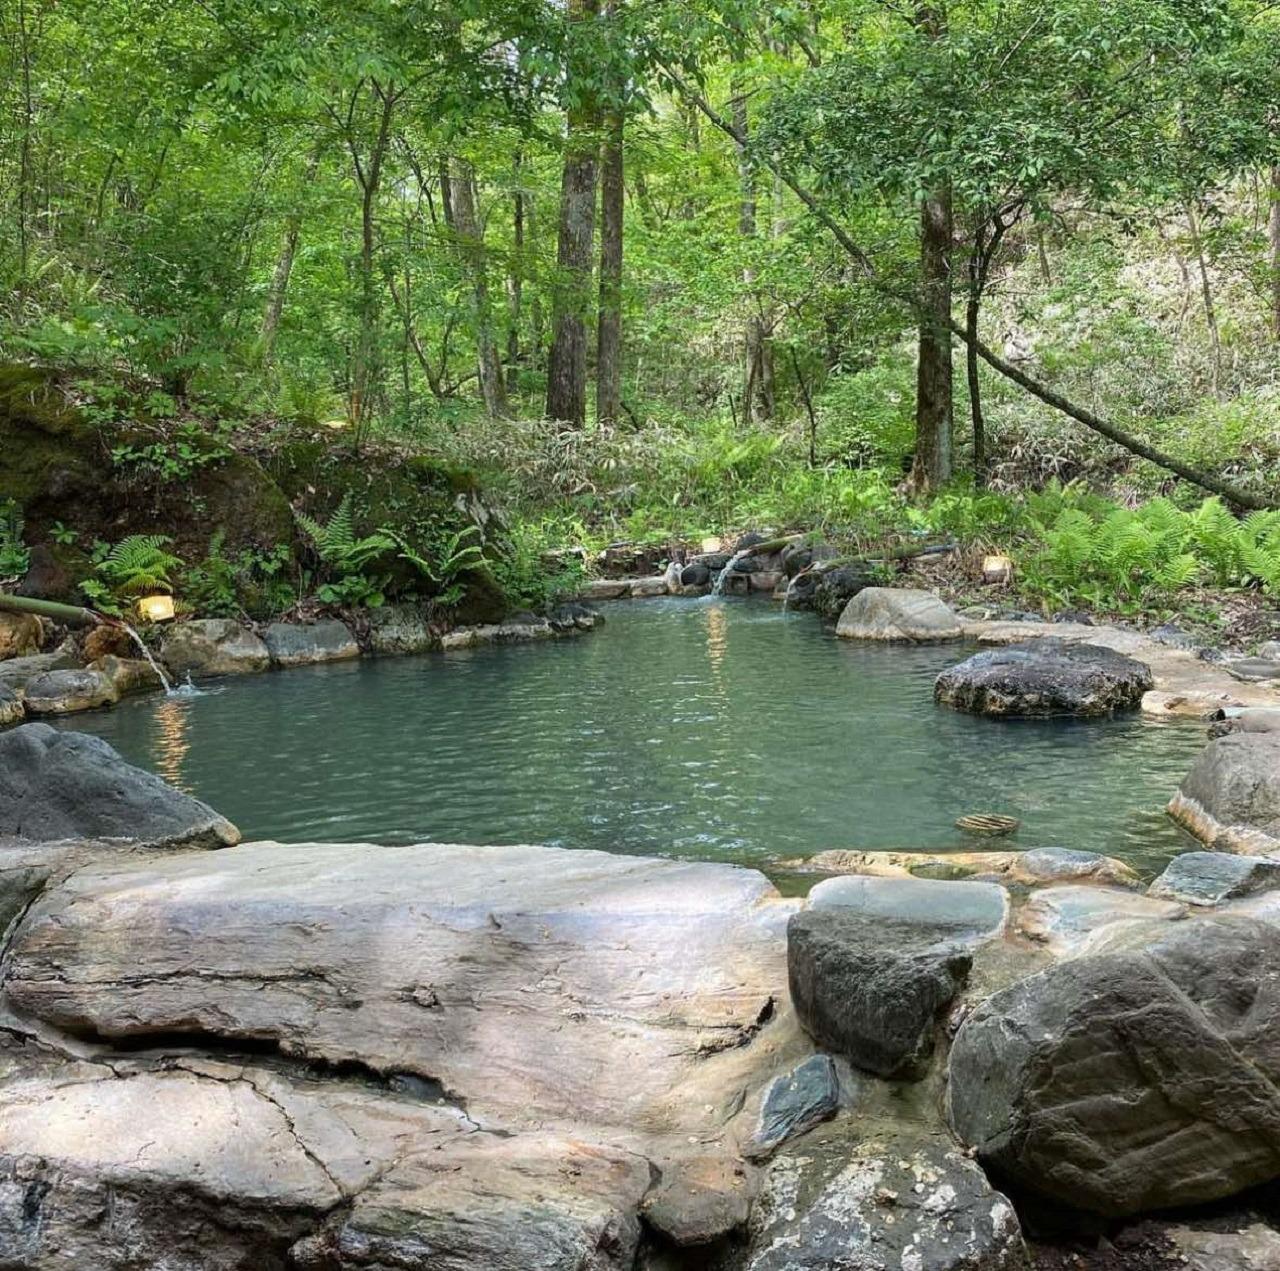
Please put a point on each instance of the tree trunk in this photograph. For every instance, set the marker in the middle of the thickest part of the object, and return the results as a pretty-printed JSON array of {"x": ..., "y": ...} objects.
[
  {"x": 933, "y": 459},
  {"x": 466, "y": 225},
  {"x": 284, "y": 268},
  {"x": 1274, "y": 245},
  {"x": 515, "y": 280},
  {"x": 609, "y": 331},
  {"x": 567, "y": 368},
  {"x": 1206, "y": 293},
  {"x": 758, "y": 376}
]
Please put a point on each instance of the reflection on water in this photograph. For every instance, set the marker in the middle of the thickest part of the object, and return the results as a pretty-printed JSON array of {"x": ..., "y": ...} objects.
[
  {"x": 654, "y": 735},
  {"x": 172, "y": 740}
]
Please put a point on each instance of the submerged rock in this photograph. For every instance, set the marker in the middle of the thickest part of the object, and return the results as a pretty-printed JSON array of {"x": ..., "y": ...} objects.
[
  {"x": 63, "y": 785},
  {"x": 910, "y": 1203},
  {"x": 1231, "y": 797},
  {"x": 214, "y": 646},
  {"x": 1133, "y": 1080},
  {"x": 1208, "y": 878},
  {"x": 304, "y": 643},
  {"x": 1045, "y": 677},
  {"x": 904, "y": 614},
  {"x": 795, "y": 1103},
  {"x": 66, "y": 692}
]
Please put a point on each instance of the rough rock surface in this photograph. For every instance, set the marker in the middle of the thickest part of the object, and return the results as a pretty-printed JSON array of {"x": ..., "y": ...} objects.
[
  {"x": 538, "y": 981},
  {"x": 605, "y": 589},
  {"x": 873, "y": 962},
  {"x": 16, "y": 673},
  {"x": 794, "y": 1103},
  {"x": 656, "y": 586},
  {"x": 63, "y": 785},
  {"x": 900, "y": 1204},
  {"x": 1070, "y": 920},
  {"x": 1254, "y": 670},
  {"x": 21, "y": 635},
  {"x": 214, "y": 646},
  {"x": 12, "y": 710},
  {"x": 1208, "y": 878},
  {"x": 1037, "y": 867},
  {"x": 397, "y": 630},
  {"x": 66, "y": 692},
  {"x": 700, "y": 1200},
  {"x": 1231, "y": 797},
  {"x": 127, "y": 675},
  {"x": 304, "y": 643},
  {"x": 1254, "y": 1248},
  {"x": 898, "y": 613},
  {"x": 1133, "y": 1080},
  {"x": 1045, "y": 677}
]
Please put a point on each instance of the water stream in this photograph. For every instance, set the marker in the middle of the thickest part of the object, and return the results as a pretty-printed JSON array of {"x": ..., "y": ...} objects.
[
  {"x": 713, "y": 728},
  {"x": 146, "y": 653}
]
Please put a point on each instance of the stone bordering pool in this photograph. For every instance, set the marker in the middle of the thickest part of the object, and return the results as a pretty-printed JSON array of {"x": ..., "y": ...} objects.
[
  {"x": 340, "y": 1056},
  {"x": 64, "y": 681}
]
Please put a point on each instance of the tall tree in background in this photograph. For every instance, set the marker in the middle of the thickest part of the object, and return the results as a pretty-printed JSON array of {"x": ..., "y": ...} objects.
[
  {"x": 567, "y": 366},
  {"x": 612, "y": 208}
]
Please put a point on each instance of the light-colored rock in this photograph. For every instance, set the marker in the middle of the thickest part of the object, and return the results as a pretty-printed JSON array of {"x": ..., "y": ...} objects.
[
  {"x": 16, "y": 673},
  {"x": 1071, "y": 920},
  {"x": 127, "y": 675},
  {"x": 1037, "y": 867},
  {"x": 1209, "y": 878},
  {"x": 672, "y": 578},
  {"x": 398, "y": 630},
  {"x": 1254, "y": 670},
  {"x": 535, "y": 982},
  {"x": 21, "y": 635},
  {"x": 906, "y": 1203},
  {"x": 12, "y": 711},
  {"x": 656, "y": 586},
  {"x": 1193, "y": 704},
  {"x": 605, "y": 589},
  {"x": 767, "y": 580},
  {"x": 62, "y": 785},
  {"x": 1231, "y": 797},
  {"x": 67, "y": 692},
  {"x": 498, "y": 633},
  {"x": 1253, "y": 1248},
  {"x": 213, "y": 646},
  {"x": 898, "y": 613},
  {"x": 1140, "y": 1079},
  {"x": 305, "y": 643},
  {"x": 1270, "y": 651}
]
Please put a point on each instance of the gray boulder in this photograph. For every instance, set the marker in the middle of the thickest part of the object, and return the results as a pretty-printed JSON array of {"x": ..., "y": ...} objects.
[
  {"x": 63, "y": 785},
  {"x": 1045, "y": 677},
  {"x": 1270, "y": 651},
  {"x": 214, "y": 646},
  {"x": 396, "y": 630},
  {"x": 910, "y": 1203},
  {"x": 1231, "y": 797},
  {"x": 1140, "y": 1079},
  {"x": 904, "y": 614},
  {"x": 305, "y": 643},
  {"x": 17, "y": 673},
  {"x": 873, "y": 962},
  {"x": 1208, "y": 878},
  {"x": 795, "y": 1103},
  {"x": 66, "y": 692},
  {"x": 696, "y": 574},
  {"x": 1254, "y": 670}
]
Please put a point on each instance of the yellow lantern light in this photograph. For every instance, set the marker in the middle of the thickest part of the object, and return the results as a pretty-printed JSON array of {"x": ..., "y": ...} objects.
[
  {"x": 156, "y": 608},
  {"x": 712, "y": 545}
]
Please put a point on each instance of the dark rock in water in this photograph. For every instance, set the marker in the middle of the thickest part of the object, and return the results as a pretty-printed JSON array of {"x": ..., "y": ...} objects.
[
  {"x": 1045, "y": 677},
  {"x": 747, "y": 565},
  {"x": 1133, "y": 1080},
  {"x": 1213, "y": 655},
  {"x": 714, "y": 561},
  {"x": 907, "y": 1203},
  {"x": 836, "y": 587},
  {"x": 1231, "y": 797},
  {"x": 305, "y": 643},
  {"x": 803, "y": 1098},
  {"x": 1076, "y": 616},
  {"x": 696, "y": 574},
  {"x": 62, "y": 785},
  {"x": 575, "y": 616},
  {"x": 1254, "y": 670},
  {"x": 750, "y": 539},
  {"x": 1206, "y": 878},
  {"x": 872, "y": 990}
]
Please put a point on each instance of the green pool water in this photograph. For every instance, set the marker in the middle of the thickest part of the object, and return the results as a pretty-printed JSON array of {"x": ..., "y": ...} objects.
[{"x": 716, "y": 728}]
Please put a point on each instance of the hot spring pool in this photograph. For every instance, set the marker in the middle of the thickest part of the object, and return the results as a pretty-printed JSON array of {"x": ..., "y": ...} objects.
[{"x": 715, "y": 728}]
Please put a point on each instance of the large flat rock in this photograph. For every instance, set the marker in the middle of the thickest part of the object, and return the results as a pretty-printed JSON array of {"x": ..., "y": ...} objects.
[
  {"x": 534, "y": 983},
  {"x": 64, "y": 785}
]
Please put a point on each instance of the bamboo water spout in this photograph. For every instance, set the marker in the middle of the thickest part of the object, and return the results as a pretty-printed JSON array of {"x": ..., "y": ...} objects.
[{"x": 73, "y": 615}]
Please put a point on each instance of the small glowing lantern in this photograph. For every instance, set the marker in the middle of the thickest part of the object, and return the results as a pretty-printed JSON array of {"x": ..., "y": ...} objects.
[
  {"x": 156, "y": 608},
  {"x": 996, "y": 569},
  {"x": 712, "y": 545}
]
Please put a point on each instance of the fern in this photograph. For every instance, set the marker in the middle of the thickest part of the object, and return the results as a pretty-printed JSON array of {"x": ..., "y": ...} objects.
[
  {"x": 138, "y": 564},
  {"x": 338, "y": 546}
]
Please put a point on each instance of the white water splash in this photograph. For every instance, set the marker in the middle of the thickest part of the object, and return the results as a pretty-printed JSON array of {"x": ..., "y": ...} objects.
[
  {"x": 718, "y": 587},
  {"x": 146, "y": 653}
]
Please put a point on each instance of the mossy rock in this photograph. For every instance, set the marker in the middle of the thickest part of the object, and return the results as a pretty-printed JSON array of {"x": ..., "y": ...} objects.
[{"x": 942, "y": 871}]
